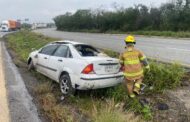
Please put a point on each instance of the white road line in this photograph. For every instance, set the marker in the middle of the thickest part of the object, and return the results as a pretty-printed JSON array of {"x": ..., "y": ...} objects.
[{"x": 4, "y": 110}]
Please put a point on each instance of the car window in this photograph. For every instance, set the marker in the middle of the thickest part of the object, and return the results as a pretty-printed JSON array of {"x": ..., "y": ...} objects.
[
  {"x": 87, "y": 50},
  {"x": 62, "y": 51},
  {"x": 48, "y": 50}
]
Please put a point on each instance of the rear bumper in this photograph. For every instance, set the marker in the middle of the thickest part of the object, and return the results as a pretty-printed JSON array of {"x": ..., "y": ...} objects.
[
  {"x": 102, "y": 78},
  {"x": 96, "y": 82}
]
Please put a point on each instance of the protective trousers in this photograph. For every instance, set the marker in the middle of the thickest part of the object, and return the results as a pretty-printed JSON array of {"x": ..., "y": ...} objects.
[{"x": 133, "y": 86}]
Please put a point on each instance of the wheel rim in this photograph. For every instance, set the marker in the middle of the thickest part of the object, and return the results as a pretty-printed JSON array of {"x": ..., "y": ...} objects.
[{"x": 64, "y": 86}]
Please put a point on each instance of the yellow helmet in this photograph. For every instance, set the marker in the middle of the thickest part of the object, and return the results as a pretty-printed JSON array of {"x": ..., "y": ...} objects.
[{"x": 130, "y": 39}]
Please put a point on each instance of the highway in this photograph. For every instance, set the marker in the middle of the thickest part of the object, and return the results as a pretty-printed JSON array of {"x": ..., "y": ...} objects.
[{"x": 164, "y": 49}]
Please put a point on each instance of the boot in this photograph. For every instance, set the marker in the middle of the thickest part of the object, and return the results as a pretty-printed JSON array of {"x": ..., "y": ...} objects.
[{"x": 137, "y": 88}]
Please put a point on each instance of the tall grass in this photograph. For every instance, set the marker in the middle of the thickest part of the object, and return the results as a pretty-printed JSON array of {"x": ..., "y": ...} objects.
[
  {"x": 113, "y": 113},
  {"x": 49, "y": 104}
]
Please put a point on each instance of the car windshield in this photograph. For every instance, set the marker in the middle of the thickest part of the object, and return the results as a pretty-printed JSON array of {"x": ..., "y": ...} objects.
[{"x": 86, "y": 50}]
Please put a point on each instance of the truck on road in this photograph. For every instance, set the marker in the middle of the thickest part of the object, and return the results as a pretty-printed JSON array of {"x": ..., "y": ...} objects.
[{"x": 10, "y": 25}]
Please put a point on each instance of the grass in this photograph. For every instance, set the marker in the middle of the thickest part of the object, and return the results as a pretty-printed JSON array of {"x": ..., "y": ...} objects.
[
  {"x": 113, "y": 113},
  {"x": 97, "y": 105},
  {"x": 164, "y": 76},
  {"x": 55, "y": 111},
  {"x": 180, "y": 34}
]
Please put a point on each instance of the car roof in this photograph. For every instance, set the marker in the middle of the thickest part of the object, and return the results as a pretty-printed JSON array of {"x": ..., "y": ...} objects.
[{"x": 66, "y": 42}]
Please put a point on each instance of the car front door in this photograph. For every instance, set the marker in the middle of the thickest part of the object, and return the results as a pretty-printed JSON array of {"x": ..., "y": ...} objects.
[
  {"x": 43, "y": 58},
  {"x": 58, "y": 60}
]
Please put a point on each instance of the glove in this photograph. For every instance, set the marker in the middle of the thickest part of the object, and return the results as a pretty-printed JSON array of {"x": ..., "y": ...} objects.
[{"x": 147, "y": 68}]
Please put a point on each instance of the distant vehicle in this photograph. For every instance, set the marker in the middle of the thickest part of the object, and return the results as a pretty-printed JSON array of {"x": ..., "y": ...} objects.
[
  {"x": 39, "y": 25},
  {"x": 76, "y": 66},
  {"x": 10, "y": 25}
]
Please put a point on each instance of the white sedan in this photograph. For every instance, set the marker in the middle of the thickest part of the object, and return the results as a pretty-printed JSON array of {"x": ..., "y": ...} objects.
[{"x": 76, "y": 66}]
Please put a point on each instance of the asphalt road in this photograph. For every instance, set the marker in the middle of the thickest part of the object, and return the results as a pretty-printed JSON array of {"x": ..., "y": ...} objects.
[
  {"x": 20, "y": 104},
  {"x": 164, "y": 49}
]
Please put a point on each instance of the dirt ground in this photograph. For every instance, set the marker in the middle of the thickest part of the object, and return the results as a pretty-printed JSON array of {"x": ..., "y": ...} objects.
[{"x": 178, "y": 100}]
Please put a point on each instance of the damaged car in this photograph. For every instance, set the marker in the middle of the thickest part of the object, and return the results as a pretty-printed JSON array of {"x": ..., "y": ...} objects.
[{"x": 76, "y": 66}]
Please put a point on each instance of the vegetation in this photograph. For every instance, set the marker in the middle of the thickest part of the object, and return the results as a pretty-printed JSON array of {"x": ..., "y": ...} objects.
[
  {"x": 182, "y": 34},
  {"x": 163, "y": 76},
  {"x": 169, "y": 17},
  {"x": 105, "y": 105}
]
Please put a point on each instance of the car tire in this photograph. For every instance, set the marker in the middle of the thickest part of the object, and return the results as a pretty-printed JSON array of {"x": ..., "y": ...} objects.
[
  {"x": 66, "y": 86},
  {"x": 30, "y": 66}
]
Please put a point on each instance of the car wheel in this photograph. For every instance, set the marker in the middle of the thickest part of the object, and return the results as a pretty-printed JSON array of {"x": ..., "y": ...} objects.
[
  {"x": 30, "y": 66},
  {"x": 66, "y": 86}
]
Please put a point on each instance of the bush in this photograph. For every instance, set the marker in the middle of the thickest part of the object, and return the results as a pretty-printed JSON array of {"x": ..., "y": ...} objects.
[{"x": 163, "y": 76}]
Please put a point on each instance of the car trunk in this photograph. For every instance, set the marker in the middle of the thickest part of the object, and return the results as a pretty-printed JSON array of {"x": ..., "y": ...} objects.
[{"x": 104, "y": 65}]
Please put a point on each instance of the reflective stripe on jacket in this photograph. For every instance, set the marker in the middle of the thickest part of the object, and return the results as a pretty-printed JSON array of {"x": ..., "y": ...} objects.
[{"x": 133, "y": 59}]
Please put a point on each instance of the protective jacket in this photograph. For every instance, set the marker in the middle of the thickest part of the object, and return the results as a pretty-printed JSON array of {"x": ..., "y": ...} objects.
[{"x": 133, "y": 61}]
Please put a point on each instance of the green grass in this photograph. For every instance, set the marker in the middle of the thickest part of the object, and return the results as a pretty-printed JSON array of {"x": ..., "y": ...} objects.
[
  {"x": 160, "y": 78},
  {"x": 180, "y": 34},
  {"x": 163, "y": 76}
]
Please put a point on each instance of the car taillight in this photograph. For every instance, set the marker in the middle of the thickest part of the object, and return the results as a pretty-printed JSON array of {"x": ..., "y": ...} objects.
[{"x": 89, "y": 69}]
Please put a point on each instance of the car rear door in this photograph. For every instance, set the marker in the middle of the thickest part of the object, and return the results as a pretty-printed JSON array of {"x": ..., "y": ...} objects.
[
  {"x": 43, "y": 58},
  {"x": 58, "y": 60}
]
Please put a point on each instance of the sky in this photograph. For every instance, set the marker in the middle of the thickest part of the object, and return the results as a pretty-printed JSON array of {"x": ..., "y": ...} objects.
[{"x": 45, "y": 10}]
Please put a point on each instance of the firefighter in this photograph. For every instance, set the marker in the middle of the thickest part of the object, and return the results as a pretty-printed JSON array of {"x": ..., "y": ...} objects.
[{"x": 133, "y": 61}]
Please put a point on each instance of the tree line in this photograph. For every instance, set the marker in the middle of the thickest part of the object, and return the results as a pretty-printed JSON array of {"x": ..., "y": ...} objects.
[{"x": 172, "y": 16}]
